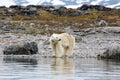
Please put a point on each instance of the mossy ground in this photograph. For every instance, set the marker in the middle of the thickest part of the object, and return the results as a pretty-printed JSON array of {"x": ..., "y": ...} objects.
[{"x": 49, "y": 20}]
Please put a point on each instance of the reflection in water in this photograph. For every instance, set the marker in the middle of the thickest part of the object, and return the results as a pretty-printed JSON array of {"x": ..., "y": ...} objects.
[
  {"x": 63, "y": 68},
  {"x": 30, "y": 61},
  {"x": 93, "y": 69},
  {"x": 15, "y": 68}
]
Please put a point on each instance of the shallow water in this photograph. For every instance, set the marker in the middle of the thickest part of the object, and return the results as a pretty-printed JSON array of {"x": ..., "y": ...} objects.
[{"x": 58, "y": 69}]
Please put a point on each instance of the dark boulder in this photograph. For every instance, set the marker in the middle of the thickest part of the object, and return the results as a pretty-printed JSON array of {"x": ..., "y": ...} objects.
[
  {"x": 63, "y": 11},
  {"x": 28, "y": 11},
  {"x": 15, "y": 7},
  {"x": 93, "y": 7},
  {"x": 48, "y": 8},
  {"x": 24, "y": 10},
  {"x": 2, "y": 7},
  {"x": 111, "y": 53},
  {"x": 26, "y": 48}
]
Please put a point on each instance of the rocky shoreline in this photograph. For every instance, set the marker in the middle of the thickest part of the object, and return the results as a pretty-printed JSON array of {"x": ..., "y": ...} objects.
[{"x": 90, "y": 42}]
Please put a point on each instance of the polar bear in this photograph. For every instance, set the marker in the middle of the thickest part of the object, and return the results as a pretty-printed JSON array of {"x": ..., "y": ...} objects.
[{"x": 62, "y": 44}]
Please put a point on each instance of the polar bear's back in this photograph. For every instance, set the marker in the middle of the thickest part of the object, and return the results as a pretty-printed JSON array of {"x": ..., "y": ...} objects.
[{"x": 67, "y": 39}]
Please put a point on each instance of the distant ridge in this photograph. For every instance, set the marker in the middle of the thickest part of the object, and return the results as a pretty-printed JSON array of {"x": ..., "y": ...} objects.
[{"x": 66, "y": 3}]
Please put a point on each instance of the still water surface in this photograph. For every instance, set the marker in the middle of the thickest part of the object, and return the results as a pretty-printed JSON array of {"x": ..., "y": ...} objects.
[{"x": 58, "y": 69}]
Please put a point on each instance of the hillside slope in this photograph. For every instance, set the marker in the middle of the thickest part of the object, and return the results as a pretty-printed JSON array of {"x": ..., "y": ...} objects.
[{"x": 49, "y": 19}]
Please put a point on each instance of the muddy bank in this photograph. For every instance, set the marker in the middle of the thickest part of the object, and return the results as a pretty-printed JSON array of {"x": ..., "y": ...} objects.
[{"x": 89, "y": 42}]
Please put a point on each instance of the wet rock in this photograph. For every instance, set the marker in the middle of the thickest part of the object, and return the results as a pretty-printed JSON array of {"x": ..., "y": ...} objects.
[
  {"x": 26, "y": 48},
  {"x": 112, "y": 52}
]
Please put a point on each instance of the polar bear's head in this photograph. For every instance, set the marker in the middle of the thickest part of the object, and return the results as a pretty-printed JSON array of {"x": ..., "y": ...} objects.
[{"x": 55, "y": 38}]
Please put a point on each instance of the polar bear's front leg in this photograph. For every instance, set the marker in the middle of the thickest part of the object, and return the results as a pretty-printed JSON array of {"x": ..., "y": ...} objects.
[
  {"x": 69, "y": 51},
  {"x": 54, "y": 50},
  {"x": 59, "y": 50}
]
